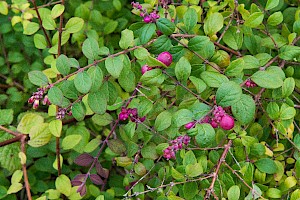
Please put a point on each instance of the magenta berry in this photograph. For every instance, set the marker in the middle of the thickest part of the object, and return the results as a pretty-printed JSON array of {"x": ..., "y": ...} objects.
[
  {"x": 214, "y": 124},
  {"x": 123, "y": 116},
  {"x": 227, "y": 122},
  {"x": 165, "y": 57},
  {"x": 189, "y": 125},
  {"x": 147, "y": 19},
  {"x": 176, "y": 145},
  {"x": 145, "y": 68}
]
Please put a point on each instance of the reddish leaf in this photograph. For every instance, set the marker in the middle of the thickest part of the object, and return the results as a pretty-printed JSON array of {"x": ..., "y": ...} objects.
[
  {"x": 84, "y": 160},
  {"x": 95, "y": 178},
  {"x": 78, "y": 179},
  {"x": 76, "y": 183},
  {"x": 102, "y": 171},
  {"x": 82, "y": 190}
]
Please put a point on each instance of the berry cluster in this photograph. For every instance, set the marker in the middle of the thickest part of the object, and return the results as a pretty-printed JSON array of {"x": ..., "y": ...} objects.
[
  {"x": 220, "y": 118},
  {"x": 164, "y": 57},
  {"x": 61, "y": 113},
  {"x": 177, "y": 144},
  {"x": 37, "y": 96},
  {"x": 131, "y": 113},
  {"x": 148, "y": 18},
  {"x": 250, "y": 84}
]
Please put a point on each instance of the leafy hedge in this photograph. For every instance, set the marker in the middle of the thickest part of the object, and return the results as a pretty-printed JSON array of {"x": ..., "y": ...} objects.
[{"x": 155, "y": 99}]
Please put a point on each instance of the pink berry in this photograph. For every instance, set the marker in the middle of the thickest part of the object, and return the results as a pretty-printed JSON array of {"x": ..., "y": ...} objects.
[
  {"x": 214, "y": 124},
  {"x": 165, "y": 57},
  {"x": 147, "y": 19},
  {"x": 189, "y": 125},
  {"x": 145, "y": 68},
  {"x": 123, "y": 116},
  {"x": 227, "y": 122}
]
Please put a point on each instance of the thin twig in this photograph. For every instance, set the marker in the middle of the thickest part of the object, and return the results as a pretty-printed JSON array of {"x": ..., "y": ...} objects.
[
  {"x": 10, "y": 131},
  {"x": 27, "y": 185},
  {"x": 61, "y": 20}
]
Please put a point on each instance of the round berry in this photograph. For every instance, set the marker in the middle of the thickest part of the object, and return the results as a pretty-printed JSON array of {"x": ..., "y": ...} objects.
[
  {"x": 165, "y": 57},
  {"x": 227, "y": 122},
  {"x": 214, "y": 124},
  {"x": 145, "y": 68},
  {"x": 147, "y": 19}
]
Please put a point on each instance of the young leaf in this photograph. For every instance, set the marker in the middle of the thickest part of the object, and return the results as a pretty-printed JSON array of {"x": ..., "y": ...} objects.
[
  {"x": 96, "y": 179},
  {"x": 55, "y": 127},
  {"x": 254, "y": 20},
  {"x": 40, "y": 41},
  {"x": 74, "y": 25},
  {"x": 57, "y": 10},
  {"x": 63, "y": 185},
  {"x": 28, "y": 121},
  {"x": 271, "y": 4},
  {"x": 127, "y": 39},
  {"x": 39, "y": 135},
  {"x": 213, "y": 23},
  {"x": 31, "y": 28},
  {"x": 70, "y": 141}
]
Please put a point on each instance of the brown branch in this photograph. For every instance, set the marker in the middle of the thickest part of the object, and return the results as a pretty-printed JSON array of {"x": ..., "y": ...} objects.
[
  {"x": 10, "y": 141},
  {"x": 210, "y": 190},
  {"x": 228, "y": 49},
  {"x": 61, "y": 20},
  {"x": 58, "y": 156},
  {"x": 10, "y": 131},
  {"x": 27, "y": 185},
  {"x": 41, "y": 23},
  {"x": 18, "y": 85},
  {"x": 49, "y": 4}
]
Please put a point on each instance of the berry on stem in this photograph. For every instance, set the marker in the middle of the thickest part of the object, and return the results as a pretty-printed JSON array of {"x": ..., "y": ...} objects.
[
  {"x": 227, "y": 122},
  {"x": 165, "y": 57}
]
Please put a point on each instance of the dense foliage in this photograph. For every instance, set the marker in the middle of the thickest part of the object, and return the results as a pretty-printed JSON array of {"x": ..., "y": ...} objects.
[{"x": 155, "y": 99}]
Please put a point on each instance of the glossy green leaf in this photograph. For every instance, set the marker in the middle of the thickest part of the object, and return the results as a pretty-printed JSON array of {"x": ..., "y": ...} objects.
[
  {"x": 266, "y": 165},
  {"x": 63, "y": 184},
  {"x": 190, "y": 19},
  {"x": 57, "y": 10},
  {"x": 254, "y": 20},
  {"x": 71, "y": 141},
  {"x": 31, "y": 28},
  {"x": 163, "y": 121},
  {"x": 146, "y": 32},
  {"x": 55, "y": 127},
  {"x": 275, "y": 19},
  {"x": 271, "y": 4},
  {"x": 78, "y": 111},
  {"x": 213, "y": 79},
  {"x": 165, "y": 26}
]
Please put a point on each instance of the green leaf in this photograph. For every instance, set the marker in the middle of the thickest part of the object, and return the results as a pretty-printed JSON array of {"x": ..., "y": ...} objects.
[
  {"x": 193, "y": 170},
  {"x": 3, "y": 190},
  {"x": 6, "y": 116},
  {"x": 189, "y": 158},
  {"x": 38, "y": 78},
  {"x": 116, "y": 146},
  {"x": 149, "y": 151},
  {"x": 63, "y": 185},
  {"x": 102, "y": 120},
  {"x": 198, "y": 83},
  {"x": 31, "y": 28},
  {"x": 70, "y": 141},
  {"x": 205, "y": 135},
  {"x": 49, "y": 23},
  {"x": 97, "y": 102},
  {"x": 182, "y": 117},
  {"x": 153, "y": 77},
  {"x": 3, "y": 9},
  {"x": 39, "y": 135},
  {"x": 57, "y": 10},
  {"x": 274, "y": 193},
  {"x": 190, "y": 19},
  {"x": 254, "y": 194},
  {"x": 62, "y": 65},
  {"x": 202, "y": 45},
  {"x": 78, "y": 111},
  {"x": 213, "y": 23},
  {"x": 153, "y": 62},
  {"x": 233, "y": 193},
  {"x": 55, "y": 127},
  {"x": 183, "y": 69},
  {"x": 266, "y": 165},
  {"x": 190, "y": 189},
  {"x": 165, "y": 26},
  {"x": 55, "y": 96},
  {"x": 96, "y": 76},
  {"x": 273, "y": 110},
  {"x": 287, "y": 113},
  {"x": 14, "y": 188},
  {"x": 271, "y": 4},
  {"x": 114, "y": 66},
  {"x": 176, "y": 175},
  {"x": 40, "y": 41},
  {"x": 233, "y": 38},
  {"x": 126, "y": 75},
  {"x": 141, "y": 53},
  {"x": 213, "y": 79},
  {"x": 254, "y": 20},
  {"x": 163, "y": 121},
  {"x": 267, "y": 79},
  {"x": 289, "y": 52},
  {"x": 275, "y": 19},
  {"x": 250, "y": 62},
  {"x": 17, "y": 176},
  {"x": 161, "y": 44},
  {"x": 244, "y": 109},
  {"x": 288, "y": 86},
  {"x": 90, "y": 48},
  {"x": 83, "y": 82},
  {"x": 228, "y": 94},
  {"x": 74, "y": 25},
  {"x": 28, "y": 121},
  {"x": 127, "y": 39},
  {"x": 110, "y": 27},
  {"x": 146, "y": 32},
  {"x": 235, "y": 68},
  {"x": 117, "y": 4}
]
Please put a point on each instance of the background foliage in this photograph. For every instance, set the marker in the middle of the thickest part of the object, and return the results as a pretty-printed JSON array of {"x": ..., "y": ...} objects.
[{"x": 114, "y": 110}]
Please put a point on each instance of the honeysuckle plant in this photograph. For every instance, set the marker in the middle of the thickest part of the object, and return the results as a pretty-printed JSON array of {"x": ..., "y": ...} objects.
[{"x": 153, "y": 99}]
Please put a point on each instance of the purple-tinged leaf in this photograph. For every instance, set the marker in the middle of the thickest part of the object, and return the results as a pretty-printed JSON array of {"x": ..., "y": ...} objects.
[
  {"x": 78, "y": 179},
  {"x": 102, "y": 171},
  {"x": 76, "y": 183},
  {"x": 95, "y": 178},
  {"x": 82, "y": 190},
  {"x": 84, "y": 160}
]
